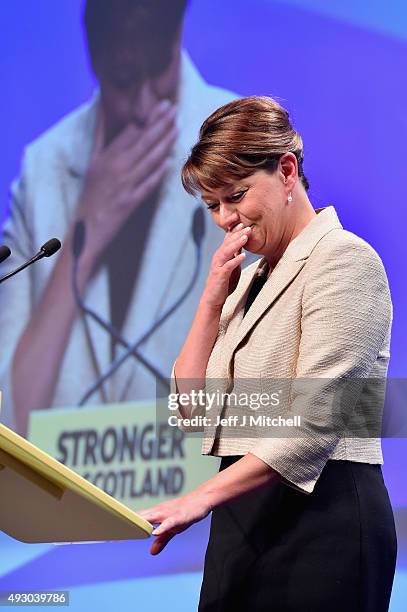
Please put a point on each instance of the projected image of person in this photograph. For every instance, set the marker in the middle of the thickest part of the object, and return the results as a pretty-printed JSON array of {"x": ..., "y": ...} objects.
[
  {"x": 105, "y": 180},
  {"x": 301, "y": 516}
]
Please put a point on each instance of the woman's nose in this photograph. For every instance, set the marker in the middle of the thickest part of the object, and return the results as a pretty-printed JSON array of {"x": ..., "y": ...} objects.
[
  {"x": 143, "y": 102},
  {"x": 228, "y": 217}
]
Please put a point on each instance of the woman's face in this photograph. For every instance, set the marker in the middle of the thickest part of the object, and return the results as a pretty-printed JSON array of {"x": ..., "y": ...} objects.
[
  {"x": 261, "y": 202},
  {"x": 133, "y": 78}
]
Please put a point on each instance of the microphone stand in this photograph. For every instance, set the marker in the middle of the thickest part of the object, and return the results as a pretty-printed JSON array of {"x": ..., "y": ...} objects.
[
  {"x": 78, "y": 244},
  {"x": 47, "y": 249},
  {"x": 198, "y": 229}
]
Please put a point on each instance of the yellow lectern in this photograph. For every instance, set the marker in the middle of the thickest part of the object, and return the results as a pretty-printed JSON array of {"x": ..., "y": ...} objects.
[{"x": 42, "y": 500}]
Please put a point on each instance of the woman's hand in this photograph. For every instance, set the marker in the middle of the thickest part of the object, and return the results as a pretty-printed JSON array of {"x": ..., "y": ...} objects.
[
  {"x": 225, "y": 269},
  {"x": 175, "y": 516},
  {"x": 122, "y": 174},
  {"x": 222, "y": 279}
]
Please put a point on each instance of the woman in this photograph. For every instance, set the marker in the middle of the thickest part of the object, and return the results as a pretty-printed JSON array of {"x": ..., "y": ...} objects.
[{"x": 301, "y": 519}]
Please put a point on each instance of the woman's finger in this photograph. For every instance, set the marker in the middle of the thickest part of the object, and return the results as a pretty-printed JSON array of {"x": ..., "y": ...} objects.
[
  {"x": 160, "y": 543},
  {"x": 166, "y": 525},
  {"x": 234, "y": 263},
  {"x": 152, "y": 140},
  {"x": 151, "y": 515},
  {"x": 145, "y": 512},
  {"x": 99, "y": 135},
  {"x": 234, "y": 246},
  {"x": 234, "y": 230}
]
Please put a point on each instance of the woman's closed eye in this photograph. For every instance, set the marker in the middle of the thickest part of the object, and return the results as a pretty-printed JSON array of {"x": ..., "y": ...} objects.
[
  {"x": 212, "y": 206},
  {"x": 235, "y": 197}
]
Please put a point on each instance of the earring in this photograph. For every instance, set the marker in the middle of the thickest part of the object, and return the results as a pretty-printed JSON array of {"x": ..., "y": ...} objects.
[{"x": 290, "y": 197}]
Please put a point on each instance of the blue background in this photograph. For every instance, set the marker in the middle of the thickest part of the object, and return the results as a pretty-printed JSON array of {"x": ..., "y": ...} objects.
[{"x": 339, "y": 68}]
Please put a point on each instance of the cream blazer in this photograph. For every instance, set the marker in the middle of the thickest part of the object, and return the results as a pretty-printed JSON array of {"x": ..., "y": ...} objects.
[{"x": 324, "y": 314}]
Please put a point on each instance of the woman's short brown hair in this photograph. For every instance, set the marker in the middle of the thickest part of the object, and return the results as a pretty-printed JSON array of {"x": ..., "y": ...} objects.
[{"x": 239, "y": 138}]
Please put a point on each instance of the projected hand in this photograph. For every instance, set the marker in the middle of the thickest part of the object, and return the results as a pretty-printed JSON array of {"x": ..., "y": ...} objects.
[
  {"x": 175, "y": 516},
  {"x": 122, "y": 174},
  {"x": 224, "y": 273}
]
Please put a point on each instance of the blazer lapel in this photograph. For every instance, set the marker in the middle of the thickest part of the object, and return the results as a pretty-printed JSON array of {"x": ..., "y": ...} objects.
[
  {"x": 286, "y": 270},
  {"x": 280, "y": 278},
  {"x": 234, "y": 306}
]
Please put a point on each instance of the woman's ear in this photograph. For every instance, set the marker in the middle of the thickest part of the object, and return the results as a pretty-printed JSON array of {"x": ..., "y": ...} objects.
[{"x": 288, "y": 169}]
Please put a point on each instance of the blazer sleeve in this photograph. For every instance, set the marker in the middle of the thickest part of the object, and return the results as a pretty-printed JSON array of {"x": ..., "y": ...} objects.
[
  {"x": 174, "y": 408},
  {"x": 199, "y": 410},
  {"x": 346, "y": 316}
]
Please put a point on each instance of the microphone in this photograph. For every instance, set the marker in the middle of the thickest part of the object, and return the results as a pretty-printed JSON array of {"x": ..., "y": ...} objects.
[
  {"x": 78, "y": 244},
  {"x": 198, "y": 233},
  {"x": 47, "y": 249},
  {"x": 4, "y": 252}
]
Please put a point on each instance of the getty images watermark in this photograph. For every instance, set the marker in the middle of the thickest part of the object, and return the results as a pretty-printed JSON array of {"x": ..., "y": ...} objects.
[
  {"x": 296, "y": 407},
  {"x": 202, "y": 400}
]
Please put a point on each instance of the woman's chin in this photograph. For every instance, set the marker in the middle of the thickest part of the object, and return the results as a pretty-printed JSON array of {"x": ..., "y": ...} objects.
[{"x": 254, "y": 245}]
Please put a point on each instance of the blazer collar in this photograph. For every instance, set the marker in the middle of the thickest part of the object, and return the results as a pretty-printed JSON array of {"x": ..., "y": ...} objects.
[
  {"x": 288, "y": 267},
  {"x": 301, "y": 247},
  {"x": 78, "y": 143}
]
